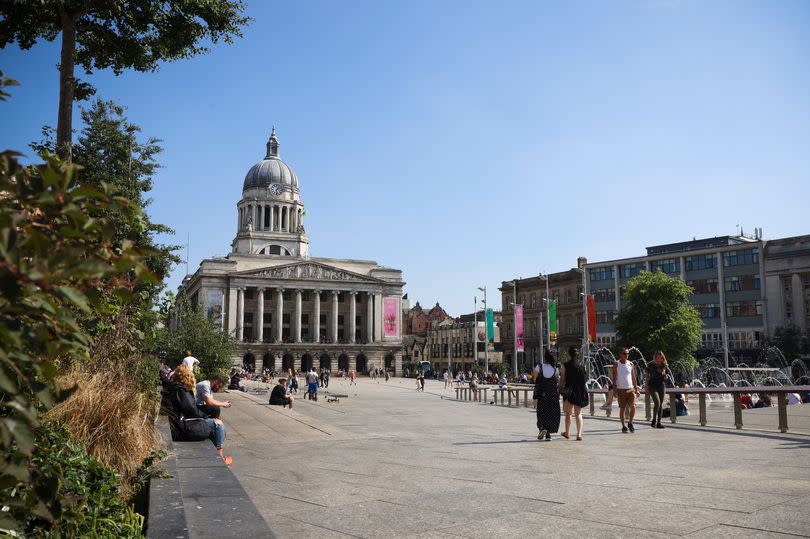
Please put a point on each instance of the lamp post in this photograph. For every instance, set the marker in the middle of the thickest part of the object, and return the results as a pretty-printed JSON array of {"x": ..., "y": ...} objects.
[
  {"x": 542, "y": 352},
  {"x": 486, "y": 334}
]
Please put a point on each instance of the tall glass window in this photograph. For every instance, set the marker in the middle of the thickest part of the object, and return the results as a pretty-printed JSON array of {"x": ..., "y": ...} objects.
[
  {"x": 741, "y": 257},
  {"x": 631, "y": 270}
]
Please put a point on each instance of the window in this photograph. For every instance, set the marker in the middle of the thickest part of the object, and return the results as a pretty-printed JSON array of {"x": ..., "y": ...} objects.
[
  {"x": 708, "y": 310},
  {"x": 703, "y": 286},
  {"x": 602, "y": 274},
  {"x": 700, "y": 262},
  {"x": 605, "y": 317},
  {"x": 287, "y": 295},
  {"x": 742, "y": 283},
  {"x": 568, "y": 296},
  {"x": 743, "y": 308},
  {"x": 605, "y": 295},
  {"x": 740, "y": 258},
  {"x": 268, "y": 319},
  {"x": 305, "y": 296},
  {"x": 533, "y": 300},
  {"x": 667, "y": 265},
  {"x": 631, "y": 270}
]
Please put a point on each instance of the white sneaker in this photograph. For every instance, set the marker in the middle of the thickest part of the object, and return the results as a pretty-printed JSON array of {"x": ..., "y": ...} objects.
[{"x": 606, "y": 407}]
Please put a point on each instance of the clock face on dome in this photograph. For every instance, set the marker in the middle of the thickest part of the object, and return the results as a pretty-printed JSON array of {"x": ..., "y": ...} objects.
[{"x": 276, "y": 189}]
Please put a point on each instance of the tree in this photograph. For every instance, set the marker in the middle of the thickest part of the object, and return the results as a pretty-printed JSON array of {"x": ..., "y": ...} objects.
[
  {"x": 55, "y": 248},
  {"x": 116, "y": 34},
  {"x": 656, "y": 315},
  {"x": 790, "y": 341},
  {"x": 111, "y": 155},
  {"x": 190, "y": 329}
]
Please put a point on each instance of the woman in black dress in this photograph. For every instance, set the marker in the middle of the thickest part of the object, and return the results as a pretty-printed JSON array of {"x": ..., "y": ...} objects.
[
  {"x": 572, "y": 387},
  {"x": 547, "y": 394}
]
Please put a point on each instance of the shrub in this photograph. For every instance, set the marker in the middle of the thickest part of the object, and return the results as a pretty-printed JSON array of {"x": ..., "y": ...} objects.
[{"x": 93, "y": 504}]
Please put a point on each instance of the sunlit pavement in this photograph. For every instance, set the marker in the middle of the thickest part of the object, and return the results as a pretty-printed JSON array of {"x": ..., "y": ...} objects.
[{"x": 387, "y": 461}]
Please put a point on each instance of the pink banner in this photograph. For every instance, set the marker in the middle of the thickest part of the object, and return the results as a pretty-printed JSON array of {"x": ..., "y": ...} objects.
[
  {"x": 519, "y": 327},
  {"x": 390, "y": 316}
]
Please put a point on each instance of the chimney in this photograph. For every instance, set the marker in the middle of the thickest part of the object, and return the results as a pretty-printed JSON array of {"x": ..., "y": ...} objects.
[{"x": 581, "y": 261}]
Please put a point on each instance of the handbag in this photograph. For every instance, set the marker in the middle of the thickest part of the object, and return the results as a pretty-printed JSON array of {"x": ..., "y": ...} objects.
[{"x": 193, "y": 429}]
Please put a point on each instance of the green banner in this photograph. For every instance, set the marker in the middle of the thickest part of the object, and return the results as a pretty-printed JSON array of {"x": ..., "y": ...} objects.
[
  {"x": 552, "y": 316},
  {"x": 490, "y": 326}
]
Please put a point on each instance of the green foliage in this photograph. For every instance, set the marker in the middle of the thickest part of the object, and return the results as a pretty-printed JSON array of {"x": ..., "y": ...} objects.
[
  {"x": 110, "y": 154},
  {"x": 5, "y": 82},
  {"x": 56, "y": 248},
  {"x": 190, "y": 329},
  {"x": 656, "y": 315},
  {"x": 790, "y": 340},
  {"x": 125, "y": 34},
  {"x": 91, "y": 501}
]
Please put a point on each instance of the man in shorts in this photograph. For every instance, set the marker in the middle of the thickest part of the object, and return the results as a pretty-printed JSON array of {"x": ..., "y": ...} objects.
[
  {"x": 626, "y": 388},
  {"x": 312, "y": 384}
]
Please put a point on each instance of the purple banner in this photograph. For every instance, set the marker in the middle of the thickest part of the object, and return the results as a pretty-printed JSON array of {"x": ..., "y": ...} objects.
[{"x": 519, "y": 327}]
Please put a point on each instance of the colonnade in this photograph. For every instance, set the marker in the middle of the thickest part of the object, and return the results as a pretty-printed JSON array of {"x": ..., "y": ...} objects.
[
  {"x": 271, "y": 217},
  {"x": 296, "y": 318}
]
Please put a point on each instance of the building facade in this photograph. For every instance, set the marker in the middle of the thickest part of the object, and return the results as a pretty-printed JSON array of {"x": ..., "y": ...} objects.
[
  {"x": 285, "y": 308},
  {"x": 453, "y": 342},
  {"x": 565, "y": 288},
  {"x": 787, "y": 278},
  {"x": 726, "y": 273},
  {"x": 417, "y": 321}
]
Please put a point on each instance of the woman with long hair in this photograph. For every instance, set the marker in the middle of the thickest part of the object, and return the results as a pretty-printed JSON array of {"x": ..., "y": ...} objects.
[
  {"x": 656, "y": 386},
  {"x": 573, "y": 390},
  {"x": 547, "y": 394},
  {"x": 184, "y": 383}
]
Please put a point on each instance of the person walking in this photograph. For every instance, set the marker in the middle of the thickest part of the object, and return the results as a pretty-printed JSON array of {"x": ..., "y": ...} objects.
[
  {"x": 656, "y": 386},
  {"x": 624, "y": 383},
  {"x": 574, "y": 392},
  {"x": 354, "y": 378},
  {"x": 547, "y": 394}
]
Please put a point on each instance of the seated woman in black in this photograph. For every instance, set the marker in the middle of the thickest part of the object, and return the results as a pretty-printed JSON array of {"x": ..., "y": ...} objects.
[{"x": 183, "y": 401}]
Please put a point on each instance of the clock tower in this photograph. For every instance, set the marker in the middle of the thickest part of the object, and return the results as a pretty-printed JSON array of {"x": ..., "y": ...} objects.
[{"x": 270, "y": 213}]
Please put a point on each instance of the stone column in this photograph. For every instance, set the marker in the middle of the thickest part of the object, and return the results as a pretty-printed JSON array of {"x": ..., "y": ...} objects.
[
  {"x": 370, "y": 317},
  {"x": 279, "y": 312},
  {"x": 352, "y": 316},
  {"x": 240, "y": 314},
  {"x": 334, "y": 316},
  {"x": 378, "y": 317},
  {"x": 255, "y": 216},
  {"x": 222, "y": 319},
  {"x": 298, "y": 315},
  {"x": 317, "y": 316},
  {"x": 260, "y": 223},
  {"x": 260, "y": 315},
  {"x": 682, "y": 264},
  {"x": 233, "y": 294},
  {"x": 797, "y": 288},
  {"x": 270, "y": 221}
]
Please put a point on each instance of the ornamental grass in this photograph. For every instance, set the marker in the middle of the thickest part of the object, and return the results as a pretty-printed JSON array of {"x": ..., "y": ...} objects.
[{"x": 111, "y": 417}]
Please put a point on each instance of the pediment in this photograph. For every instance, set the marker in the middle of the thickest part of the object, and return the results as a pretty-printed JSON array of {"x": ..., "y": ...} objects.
[{"x": 309, "y": 271}]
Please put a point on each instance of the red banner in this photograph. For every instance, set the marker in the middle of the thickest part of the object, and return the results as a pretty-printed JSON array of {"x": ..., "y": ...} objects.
[{"x": 591, "y": 317}]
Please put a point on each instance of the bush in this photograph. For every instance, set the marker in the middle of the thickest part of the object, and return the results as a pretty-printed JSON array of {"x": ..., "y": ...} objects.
[{"x": 93, "y": 504}]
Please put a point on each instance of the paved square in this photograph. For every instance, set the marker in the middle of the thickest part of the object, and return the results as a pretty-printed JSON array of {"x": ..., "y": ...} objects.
[{"x": 390, "y": 462}]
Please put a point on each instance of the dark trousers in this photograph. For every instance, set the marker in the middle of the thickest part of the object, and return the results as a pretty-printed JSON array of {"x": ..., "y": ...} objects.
[
  {"x": 210, "y": 411},
  {"x": 658, "y": 402}
]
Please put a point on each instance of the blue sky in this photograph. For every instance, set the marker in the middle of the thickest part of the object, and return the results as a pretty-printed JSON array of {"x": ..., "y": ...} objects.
[{"x": 470, "y": 142}]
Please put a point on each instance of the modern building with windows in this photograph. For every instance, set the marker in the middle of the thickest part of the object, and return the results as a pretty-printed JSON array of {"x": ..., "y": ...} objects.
[
  {"x": 285, "y": 308},
  {"x": 726, "y": 273},
  {"x": 452, "y": 342}
]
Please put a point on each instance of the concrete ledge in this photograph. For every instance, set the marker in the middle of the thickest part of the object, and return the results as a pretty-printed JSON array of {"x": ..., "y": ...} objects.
[
  {"x": 207, "y": 494},
  {"x": 167, "y": 515}
]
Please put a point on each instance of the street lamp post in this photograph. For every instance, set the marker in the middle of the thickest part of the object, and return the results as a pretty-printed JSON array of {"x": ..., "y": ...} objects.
[{"x": 486, "y": 334}]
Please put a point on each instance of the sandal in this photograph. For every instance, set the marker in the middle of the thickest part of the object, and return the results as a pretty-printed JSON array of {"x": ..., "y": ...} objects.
[
  {"x": 565, "y": 435},
  {"x": 228, "y": 460},
  {"x": 579, "y": 438}
]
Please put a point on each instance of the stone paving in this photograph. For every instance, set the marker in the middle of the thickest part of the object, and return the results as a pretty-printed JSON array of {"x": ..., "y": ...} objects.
[{"x": 390, "y": 462}]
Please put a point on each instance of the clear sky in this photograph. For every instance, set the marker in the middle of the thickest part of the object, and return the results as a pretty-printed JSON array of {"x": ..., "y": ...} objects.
[{"x": 470, "y": 142}]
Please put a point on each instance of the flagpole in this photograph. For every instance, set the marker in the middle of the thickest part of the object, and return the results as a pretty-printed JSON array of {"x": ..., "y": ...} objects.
[
  {"x": 548, "y": 313},
  {"x": 475, "y": 331}
]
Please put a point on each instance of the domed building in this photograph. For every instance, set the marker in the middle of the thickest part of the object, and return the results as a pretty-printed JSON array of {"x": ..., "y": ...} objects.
[{"x": 285, "y": 308}]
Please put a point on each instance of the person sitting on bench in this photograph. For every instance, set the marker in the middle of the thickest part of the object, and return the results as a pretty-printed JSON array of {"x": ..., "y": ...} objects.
[
  {"x": 205, "y": 396},
  {"x": 279, "y": 396}
]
